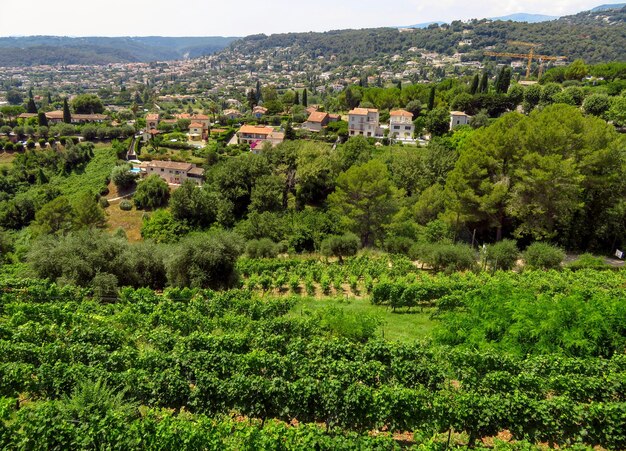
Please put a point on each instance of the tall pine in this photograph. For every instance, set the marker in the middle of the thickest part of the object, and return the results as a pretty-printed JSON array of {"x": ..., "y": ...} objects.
[
  {"x": 42, "y": 119},
  {"x": 31, "y": 107},
  {"x": 305, "y": 98},
  {"x": 67, "y": 116}
]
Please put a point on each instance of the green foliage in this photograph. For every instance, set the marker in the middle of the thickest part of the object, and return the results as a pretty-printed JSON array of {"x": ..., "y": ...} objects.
[
  {"x": 126, "y": 205},
  {"x": 596, "y": 104},
  {"x": 543, "y": 256},
  {"x": 345, "y": 245},
  {"x": 588, "y": 261},
  {"x": 446, "y": 257},
  {"x": 206, "y": 261},
  {"x": 122, "y": 176},
  {"x": 162, "y": 227},
  {"x": 151, "y": 193},
  {"x": 87, "y": 104},
  {"x": 502, "y": 255},
  {"x": 263, "y": 248}
]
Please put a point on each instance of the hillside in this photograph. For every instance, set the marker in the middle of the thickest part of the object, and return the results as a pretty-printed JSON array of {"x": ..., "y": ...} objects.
[
  {"x": 592, "y": 37},
  {"x": 102, "y": 50}
]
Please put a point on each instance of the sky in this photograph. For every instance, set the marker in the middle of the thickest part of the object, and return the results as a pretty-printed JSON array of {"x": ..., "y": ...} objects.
[{"x": 245, "y": 17}]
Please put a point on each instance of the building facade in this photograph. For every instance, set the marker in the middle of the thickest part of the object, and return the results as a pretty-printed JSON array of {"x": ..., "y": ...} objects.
[
  {"x": 364, "y": 121},
  {"x": 401, "y": 125},
  {"x": 173, "y": 172}
]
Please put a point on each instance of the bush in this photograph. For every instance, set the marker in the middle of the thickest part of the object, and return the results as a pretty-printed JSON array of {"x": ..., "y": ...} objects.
[
  {"x": 502, "y": 255},
  {"x": 588, "y": 261},
  {"x": 446, "y": 257},
  {"x": 9, "y": 147},
  {"x": 152, "y": 193},
  {"x": 341, "y": 245},
  {"x": 126, "y": 205},
  {"x": 104, "y": 286},
  {"x": 104, "y": 202},
  {"x": 543, "y": 256},
  {"x": 398, "y": 245},
  {"x": 263, "y": 248}
]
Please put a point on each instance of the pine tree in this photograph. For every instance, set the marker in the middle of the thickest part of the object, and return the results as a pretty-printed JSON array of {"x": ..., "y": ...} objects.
[
  {"x": 474, "y": 88},
  {"x": 431, "y": 98},
  {"x": 290, "y": 133},
  {"x": 305, "y": 98},
  {"x": 484, "y": 83},
  {"x": 67, "y": 116}
]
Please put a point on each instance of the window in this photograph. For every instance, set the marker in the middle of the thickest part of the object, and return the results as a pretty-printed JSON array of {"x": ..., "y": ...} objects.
[
  {"x": 407, "y": 127},
  {"x": 162, "y": 170},
  {"x": 396, "y": 127}
]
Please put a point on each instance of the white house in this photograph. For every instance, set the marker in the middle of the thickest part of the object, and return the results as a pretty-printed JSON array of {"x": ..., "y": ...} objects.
[
  {"x": 364, "y": 121},
  {"x": 458, "y": 118},
  {"x": 401, "y": 125}
]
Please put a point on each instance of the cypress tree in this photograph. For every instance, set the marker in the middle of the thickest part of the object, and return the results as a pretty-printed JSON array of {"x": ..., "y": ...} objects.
[
  {"x": 399, "y": 85},
  {"x": 42, "y": 119},
  {"x": 258, "y": 91},
  {"x": 49, "y": 98},
  {"x": 431, "y": 98},
  {"x": 484, "y": 83},
  {"x": 305, "y": 98},
  {"x": 475, "y": 81},
  {"x": 290, "y": 133},
  {"x": 505, "y": 80},
  {"x": 31, "y": 108},
  {"x": 296, "y": 100},
  {"x": 67, "y": 116}
]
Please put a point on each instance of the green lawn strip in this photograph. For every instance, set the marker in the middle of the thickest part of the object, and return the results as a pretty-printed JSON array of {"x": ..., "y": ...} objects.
[
  {"x": 92, "y": 178},
  {"x": 399, "y": 326}
]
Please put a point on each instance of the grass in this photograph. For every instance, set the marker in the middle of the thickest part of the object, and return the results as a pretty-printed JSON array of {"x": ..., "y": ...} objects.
[
  {"x": 129, "y": 221},
  {"x": 6, "y": 159},
  {"x": 404, "y": 327}
]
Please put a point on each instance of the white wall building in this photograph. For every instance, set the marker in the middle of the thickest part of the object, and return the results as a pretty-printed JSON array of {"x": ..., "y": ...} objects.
[
  {"x": 401, "y": 125},
  {"x": 364, "y": 121}
]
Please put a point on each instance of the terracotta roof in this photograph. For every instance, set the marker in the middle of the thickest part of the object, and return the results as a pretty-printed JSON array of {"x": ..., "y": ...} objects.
[
  {"x": 402, "y": 113},
  {"x": 458, "y": 113},
  {"x": 363, "y": 111},
  {"x": 257, "y": 130},
  {"x": 83, "y": 117},
  {"x": 152, "y": 117},
  {"x": 168, "y": 165},
  {"x": 59, "y": 115},
  {"x": 27, "y": 115},
  {"x": 277, "y": 135},
  {"x": 317, "y": 116},
  {"x": 196, "y": 125},
  {"x": 200, "y": 117},
  {"x": 259, "y": 109},
  {"x": 334, "y": 116}
]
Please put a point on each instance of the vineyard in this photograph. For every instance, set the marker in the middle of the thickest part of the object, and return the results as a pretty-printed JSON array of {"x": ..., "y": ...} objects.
[{"x": 538, "y": 356}]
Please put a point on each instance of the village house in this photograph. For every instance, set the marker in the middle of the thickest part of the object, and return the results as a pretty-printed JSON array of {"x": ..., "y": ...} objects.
[
  {"x": 458, "y": 118},
  {"x": 318, "y": 120},
  {"x": 259, "y": 111},
  {"x": 232, "y": 114},
  {"x": 173, "y": 172},
  {"x": 401, "y": 125},
  {"x": 364, "y": 121},
  {"x": 196, "y": 131},
  {"x": 56, "y": 117},
  {"x": 256, "y": 135}
]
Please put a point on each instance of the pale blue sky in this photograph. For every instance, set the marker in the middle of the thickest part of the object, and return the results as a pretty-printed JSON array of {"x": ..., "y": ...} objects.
[{"x": 244, "y": 17}]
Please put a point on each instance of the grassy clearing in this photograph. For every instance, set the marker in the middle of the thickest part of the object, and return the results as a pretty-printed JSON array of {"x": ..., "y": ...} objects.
[
  {"x": 129, "y": 221},
  {"x": 6, "y": 159},
  {"x": 401, "y": 326}
]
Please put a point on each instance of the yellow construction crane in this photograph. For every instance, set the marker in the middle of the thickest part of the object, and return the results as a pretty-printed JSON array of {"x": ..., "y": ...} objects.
[{"x": 530, "y": 56}]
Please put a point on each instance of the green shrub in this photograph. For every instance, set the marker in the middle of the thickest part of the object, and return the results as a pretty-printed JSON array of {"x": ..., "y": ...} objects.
[
  {"x": 123, "y": 177},
  {"x": 340, "y": 245},
  {"x": 104, "y": 202},
  {"x": 104, "y": 286},
  {"x": 588, "y": 261},
  {"x": 502, "y": 255},
  {"x": 263, "y": 248},
  {"x": 543, "y": 256},
  {"x": 398, "y": 245},
  {"x": 126, "y": 205},
  {"x": 151, "y": 193},
  {"x": 445, "y": 257}
]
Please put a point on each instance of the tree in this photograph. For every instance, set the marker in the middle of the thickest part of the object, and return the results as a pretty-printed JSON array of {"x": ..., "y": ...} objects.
[
  {"x": 484, "y": 83},
  {"x": 576, "y": 71},
  {"x": 14, "y": 97},
  {"x": 162, "y": 227},
  {"x": 296, "y": 100},
  {"x": 543, "y": 256},
  {"x": 123, "y": 177},
  {"x": 290, "y": 133},
  {"x": 57, "y": 216},
  {"x": 475, "y": 83},
  {"x": 205, "y": 261},
  {"x": 305, "y": 98},
  {"x": 42, "y": 119},
  {"x": 67, "y": 116},
  {"x": 194, "y": 205},
  {"x": 366, "y": 199},
  {"x": 438, "y": 121},
  {"x": 504, "y": 80},
  {"x": 415, "y": 107},
  {"x": 596, "y": 104},
  {"x": 617, "y": 112},
  {"x": 340, "y": 246},
  {"x": 88, "y": 212},
  {"x": 151, "y": 193},
  {"x": 267, "y": 194},
  {"x": 431, "y": 98},
  {"x": 258, "y": 93},
  {"x": 87, "y": 104}
]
